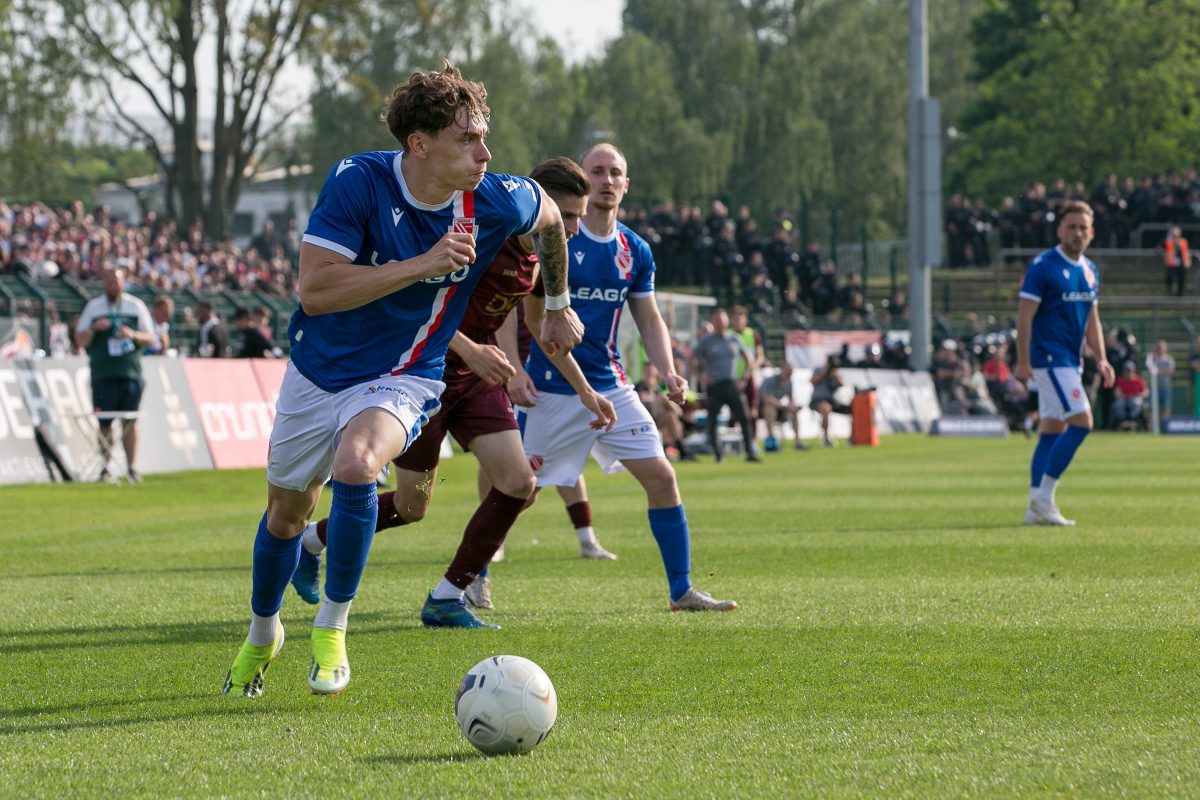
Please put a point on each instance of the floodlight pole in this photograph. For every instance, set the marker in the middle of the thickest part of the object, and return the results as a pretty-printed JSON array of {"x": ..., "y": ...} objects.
[{"x": 924, "y": 185}]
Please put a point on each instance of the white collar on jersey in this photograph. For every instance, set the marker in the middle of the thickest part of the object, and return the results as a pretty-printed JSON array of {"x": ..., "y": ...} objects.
[
  {"x": 1081, "y": 262},
  {"x": 408, "y": 196},
  {"x": 583, "y": 229}
]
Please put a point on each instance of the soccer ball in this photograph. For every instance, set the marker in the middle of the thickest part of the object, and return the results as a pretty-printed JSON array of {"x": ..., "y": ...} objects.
[{"x": 506, "y": 704}]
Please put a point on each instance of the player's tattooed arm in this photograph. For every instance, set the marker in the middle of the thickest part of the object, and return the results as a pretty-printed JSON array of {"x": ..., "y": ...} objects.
[
  {"x": 561, "y": 329},
  {"x": 552, "y": 255}
]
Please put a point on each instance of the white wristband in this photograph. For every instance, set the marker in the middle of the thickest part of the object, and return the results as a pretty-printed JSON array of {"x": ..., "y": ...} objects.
[{"x": 557, "y": 302}]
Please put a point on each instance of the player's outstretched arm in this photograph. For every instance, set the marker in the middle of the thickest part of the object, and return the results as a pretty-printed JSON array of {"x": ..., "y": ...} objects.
[
  {"x": 606, "y": 415},
  {"x": 520, "y": 386},
  {"x": 561, "y": 328},
  {"x": 598, "y": 404},
  {"x": 656, "y": 340},
  {"x": 487, "y": 361},
  {"x": 329, "y": 282}
]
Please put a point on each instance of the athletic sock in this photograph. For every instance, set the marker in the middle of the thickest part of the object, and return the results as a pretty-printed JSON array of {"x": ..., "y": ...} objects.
[
  {"x": 483, "y": 535},
  {"x": 388, "y": 517},
  {"x": 274, "y": 562},
  {"x": 1046, "y": 490},
  {"x": 263, "y": 629},
  {"x": 670, "y": 529},
  {"x": 1041, "y": 453},
  {"x": 580, "y": 513},
  {"x": 445, "y": 590},
  {"x": 333, "y": 615},
  {"x": 1060, "y": 458},
  {"x": 311, "y": 541},
  {"x": 351, "y": 530}
]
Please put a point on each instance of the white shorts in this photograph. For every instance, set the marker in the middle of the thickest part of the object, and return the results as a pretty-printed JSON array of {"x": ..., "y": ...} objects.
[
  {"x": 308, "y": 421},
  {"x": 1060, "y": 392},
  {"x": 558, "y": 438}
]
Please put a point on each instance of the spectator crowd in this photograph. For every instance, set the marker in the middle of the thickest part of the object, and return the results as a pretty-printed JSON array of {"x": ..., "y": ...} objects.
[
  {"x": 156, "y": 254},
  {"x": 724, "y": 253},
  {"x": 1029, "y": 220},
  {"x": 767, "y": 270}
]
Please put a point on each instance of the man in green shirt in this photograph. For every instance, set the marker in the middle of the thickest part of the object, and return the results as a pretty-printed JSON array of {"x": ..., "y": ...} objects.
[{"x": 114, "y": 329}]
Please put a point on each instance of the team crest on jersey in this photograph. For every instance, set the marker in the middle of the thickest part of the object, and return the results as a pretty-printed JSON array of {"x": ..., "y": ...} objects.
[
  {"x": 1090, "y": 276},
  {"x": 624, "y": 258},
  {"x": 463, "y": 225}
]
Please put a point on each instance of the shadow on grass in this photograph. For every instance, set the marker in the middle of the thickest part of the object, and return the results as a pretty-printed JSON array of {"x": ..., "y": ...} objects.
[
  {"x": 92, "y": 705},
  {"x": 117, "y": 572},
  {"x": 399, "y": 760},
  {"x": 227, "y": 631},
  {"x": 207, "y": 711}
]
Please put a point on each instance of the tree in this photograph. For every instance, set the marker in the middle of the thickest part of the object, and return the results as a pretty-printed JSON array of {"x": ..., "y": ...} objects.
[
  {"x": 1093, "y": 86},
  {"x": 155, "y": 48},
  {"x": 35, "y": 71},
  {"x": 366, "y": 54}
]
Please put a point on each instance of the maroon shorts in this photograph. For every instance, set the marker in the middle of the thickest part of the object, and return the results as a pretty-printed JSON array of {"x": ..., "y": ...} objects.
[
  {"x": 470, "y": 408},
  {"x": 751, "y": 393}
]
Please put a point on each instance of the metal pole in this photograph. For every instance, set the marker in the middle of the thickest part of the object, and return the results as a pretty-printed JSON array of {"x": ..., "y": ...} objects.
[
  {"x": 865, "y": 263},
  {"x": 1155, "y": 413},
  {"x": 833, "y": 237},
  {"x": 919, "y": 288},
  {"x": 804, "y": 231},
  {"x": 892, "y": 269}
]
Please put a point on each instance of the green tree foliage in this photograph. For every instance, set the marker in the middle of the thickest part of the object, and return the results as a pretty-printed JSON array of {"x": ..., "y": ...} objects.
[
  {"x": 536, "y": 99},
  {"x": 368, "y": 49},
  {"x": 34, "y": 102},
  {"x": 152, "y": 48},
  {"x": 633, "y": 103},
  {"x": 1084, "y": 87}
]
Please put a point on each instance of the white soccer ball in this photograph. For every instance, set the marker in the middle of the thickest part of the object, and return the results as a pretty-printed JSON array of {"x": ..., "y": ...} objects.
[{"x": 506, "y": 704}]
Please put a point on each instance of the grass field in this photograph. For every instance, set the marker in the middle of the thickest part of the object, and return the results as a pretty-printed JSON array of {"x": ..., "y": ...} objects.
[{"x": 901, "y": 635}]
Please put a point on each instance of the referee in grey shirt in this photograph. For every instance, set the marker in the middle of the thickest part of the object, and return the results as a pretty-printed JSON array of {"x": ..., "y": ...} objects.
[{"x": 716, "y": 356}]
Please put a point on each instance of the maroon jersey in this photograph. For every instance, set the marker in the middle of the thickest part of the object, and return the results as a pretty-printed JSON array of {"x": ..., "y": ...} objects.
[{"x": 505, "y": 283}]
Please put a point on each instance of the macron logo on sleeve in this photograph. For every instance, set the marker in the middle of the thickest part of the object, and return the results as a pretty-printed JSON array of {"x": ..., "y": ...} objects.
[
  {"x": 511, "y": 184},
  {"x": 346, "y": 162}
]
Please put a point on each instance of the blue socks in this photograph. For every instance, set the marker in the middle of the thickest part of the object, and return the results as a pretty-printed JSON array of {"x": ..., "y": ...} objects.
[
  {"x": 670, "y": 530},
  {"x": 1041, "y": 454},
  {"x": 1064, "y": 450},
  {"x": 274, "y": 562},
  {"x": 348, "y": 540}
]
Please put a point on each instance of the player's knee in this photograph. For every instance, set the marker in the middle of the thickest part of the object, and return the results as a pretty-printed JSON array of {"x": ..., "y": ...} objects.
[
  {"x": 412, "y": 507},
  {"x": 517, "y": 485},
  {"x": 355, "y": 465},
  {"x": 284, "y": 522},
  {"x": 659, "y": 482}
]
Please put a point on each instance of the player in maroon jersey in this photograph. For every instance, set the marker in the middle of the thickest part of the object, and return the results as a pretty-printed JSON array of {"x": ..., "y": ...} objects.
[
  {"x": 477, "y": 412},
  {"x": 575, "y": 500}
]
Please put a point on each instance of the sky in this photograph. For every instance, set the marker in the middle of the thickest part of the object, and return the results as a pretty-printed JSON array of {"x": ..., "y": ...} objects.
[{"x": 581, "y": 27}]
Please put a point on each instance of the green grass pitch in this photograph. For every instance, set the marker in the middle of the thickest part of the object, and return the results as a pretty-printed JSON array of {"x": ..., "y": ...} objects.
[{"x": 900, "y": 635}]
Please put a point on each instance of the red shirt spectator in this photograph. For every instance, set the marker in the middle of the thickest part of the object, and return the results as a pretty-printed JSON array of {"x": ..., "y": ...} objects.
[{"x": 1130, "y": 384}]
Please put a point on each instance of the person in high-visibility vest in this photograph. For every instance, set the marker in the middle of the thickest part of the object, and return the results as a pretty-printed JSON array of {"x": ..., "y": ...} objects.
[{"x": 1176, "y": 260}]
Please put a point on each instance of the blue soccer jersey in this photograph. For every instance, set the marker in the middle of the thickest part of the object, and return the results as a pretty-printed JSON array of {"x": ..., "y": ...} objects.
[
  {"x": 1066, "y": 291},
  {"x": 603, "y": 272},
  {"x": 366, "y": 213}
]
